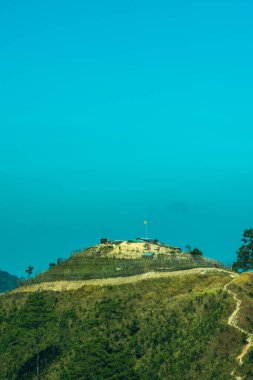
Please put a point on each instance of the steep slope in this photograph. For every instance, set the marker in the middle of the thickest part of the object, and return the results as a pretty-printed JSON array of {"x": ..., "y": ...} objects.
[
  {"x": 8, "y": 281},
  {"x": 242, "y": 290},
  {"x": 173, "y": 328}
]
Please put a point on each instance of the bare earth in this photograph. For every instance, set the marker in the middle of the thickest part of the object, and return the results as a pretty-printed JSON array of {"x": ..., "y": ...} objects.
[
  {"x": 128, "y": 250},
  {"x": 233, "y": 321}
]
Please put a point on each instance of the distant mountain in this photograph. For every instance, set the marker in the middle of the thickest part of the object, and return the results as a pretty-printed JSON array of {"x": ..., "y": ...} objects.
[{"x": 8, "y": 281}]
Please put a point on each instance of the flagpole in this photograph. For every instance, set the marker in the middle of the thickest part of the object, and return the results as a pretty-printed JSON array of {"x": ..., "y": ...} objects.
[{"x": 146, "y": 227}]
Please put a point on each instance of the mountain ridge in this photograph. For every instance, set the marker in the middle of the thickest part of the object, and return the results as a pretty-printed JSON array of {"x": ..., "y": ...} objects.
[{"x": 8, "y": 281}]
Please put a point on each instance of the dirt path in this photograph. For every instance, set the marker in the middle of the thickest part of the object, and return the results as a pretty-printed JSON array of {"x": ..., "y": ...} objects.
[
  {"x": 233, "y": 321},
  {"x": 59, "y": 286}
]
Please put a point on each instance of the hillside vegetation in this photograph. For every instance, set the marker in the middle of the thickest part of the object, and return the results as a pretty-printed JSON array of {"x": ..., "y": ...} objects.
[
  {"x": 243, "y": 287},
  {"x": 126, "y": 259},
  {"x": 171, "y": 328}
]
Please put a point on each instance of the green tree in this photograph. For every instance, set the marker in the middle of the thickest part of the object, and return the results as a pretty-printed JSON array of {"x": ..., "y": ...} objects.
[
  {"x": 35, "y": 318},
  {"x": 196, "y": 252},
  {"x": 93, "y": 361},
  {"x": 29, "y": 270},
  {"x": 245, "y": 252}
]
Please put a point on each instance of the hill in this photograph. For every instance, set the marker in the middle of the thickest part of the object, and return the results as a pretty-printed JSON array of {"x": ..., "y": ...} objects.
[
  {"x": 125, "y": 258},
  {"x": 174, "y": 327},
  {"x": 165, "y": 317},
  {"x": 8, "y": 281}
]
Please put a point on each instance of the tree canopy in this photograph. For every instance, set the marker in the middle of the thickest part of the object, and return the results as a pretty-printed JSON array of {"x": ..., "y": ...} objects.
[
  {"x": 29, "y": 270},
  {"x": 35, "y": 318},
  {"x": 245, "y": 252},
  {"x": 196, "y": 252}
]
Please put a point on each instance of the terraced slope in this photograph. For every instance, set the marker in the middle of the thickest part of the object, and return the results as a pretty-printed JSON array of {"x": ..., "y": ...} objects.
[{"x": 105, "y": 261}]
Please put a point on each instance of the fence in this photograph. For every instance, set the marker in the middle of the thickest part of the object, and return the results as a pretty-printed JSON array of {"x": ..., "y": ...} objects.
[{"x": 101, "y": 268}]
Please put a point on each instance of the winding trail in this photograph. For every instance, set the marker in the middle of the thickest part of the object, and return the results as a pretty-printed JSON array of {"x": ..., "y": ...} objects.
[
  {"x": 233, "y": 321},
  {"x": 60, "y": 286}
]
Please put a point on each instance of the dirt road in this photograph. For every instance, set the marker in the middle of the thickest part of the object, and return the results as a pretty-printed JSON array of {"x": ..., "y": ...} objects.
[{"x": 60, "y": 286}]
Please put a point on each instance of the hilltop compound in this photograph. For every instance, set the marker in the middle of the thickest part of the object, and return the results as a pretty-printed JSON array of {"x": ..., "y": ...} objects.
[{"x": 131, "y": 249}]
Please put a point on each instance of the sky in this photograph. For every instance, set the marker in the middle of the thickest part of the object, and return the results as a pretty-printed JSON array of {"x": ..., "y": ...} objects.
[{"x": 116, "y": 112}]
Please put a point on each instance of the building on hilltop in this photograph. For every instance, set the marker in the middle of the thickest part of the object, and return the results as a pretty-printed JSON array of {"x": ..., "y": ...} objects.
[
  {"x": 148, "y": 240},
  {"x": 148, "y": 254},
  {"x": 107, "y": 241}
]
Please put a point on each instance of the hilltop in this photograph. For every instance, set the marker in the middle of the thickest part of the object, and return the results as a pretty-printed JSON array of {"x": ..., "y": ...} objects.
[
  {"x": 122, "y": 258},
  {"x": 130, "y": 249},
  {"x": 113, "y": 311}
]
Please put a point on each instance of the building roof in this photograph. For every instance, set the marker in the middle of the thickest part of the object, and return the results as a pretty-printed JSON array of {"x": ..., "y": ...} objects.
[
  {"x": 148, "y": 240},
  {"x": 148, "y": 254}
]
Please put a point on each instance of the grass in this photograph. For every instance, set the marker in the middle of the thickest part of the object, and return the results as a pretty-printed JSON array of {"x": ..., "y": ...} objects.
[
  {"x": 81, "y": 267},
  {"x": 174, "y": 329},
  {"x": 243, "y": 287}
]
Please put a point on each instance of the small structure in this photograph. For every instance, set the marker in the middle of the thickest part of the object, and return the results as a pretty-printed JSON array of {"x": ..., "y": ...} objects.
[
  {"x": 104, "y": 241},
  {"x": 148, "y": 240},
  {"x": 117, "y": 242},
  {"x": 148, "y": 254},
  {"x": 176, "y": 249}
]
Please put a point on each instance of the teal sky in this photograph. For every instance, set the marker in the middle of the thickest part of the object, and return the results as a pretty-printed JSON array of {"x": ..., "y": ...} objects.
[{"x": 113, "y": 112}]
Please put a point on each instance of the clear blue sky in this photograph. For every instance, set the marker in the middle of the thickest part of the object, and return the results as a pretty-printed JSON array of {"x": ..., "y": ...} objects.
[{"x": 113, "y": 112}]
